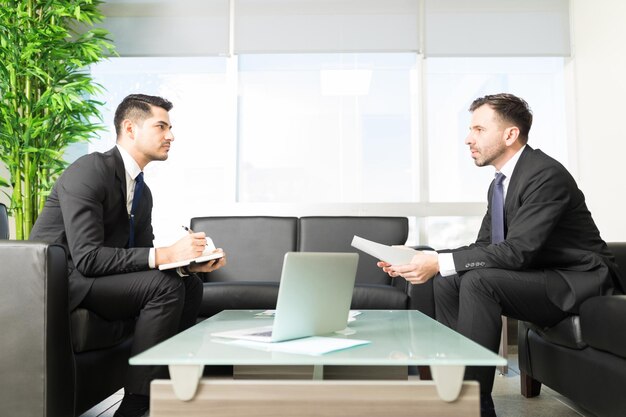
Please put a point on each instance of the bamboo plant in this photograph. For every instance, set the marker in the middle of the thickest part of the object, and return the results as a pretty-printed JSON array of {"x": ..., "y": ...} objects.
[{"x": 46, "y": 94}]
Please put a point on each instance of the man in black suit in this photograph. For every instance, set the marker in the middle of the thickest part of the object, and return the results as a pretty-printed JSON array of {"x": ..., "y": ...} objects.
[
  {"x": 96, "y": 209},
  {"x": 536, "y": 261}
]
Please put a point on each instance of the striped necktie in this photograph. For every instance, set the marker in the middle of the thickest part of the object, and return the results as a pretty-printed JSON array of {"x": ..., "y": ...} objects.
[
  {"x": 497, "y": 209},
  {"x": 133, "y": 208}
]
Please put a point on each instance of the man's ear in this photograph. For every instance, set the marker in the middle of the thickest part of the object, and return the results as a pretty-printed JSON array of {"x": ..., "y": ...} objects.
[
  {"x": 128, "y": 128},
  {"x": 511, "y": 134}
]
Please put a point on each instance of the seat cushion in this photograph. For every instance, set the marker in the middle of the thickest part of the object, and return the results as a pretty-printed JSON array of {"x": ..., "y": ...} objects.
[
  {"x": 378, "y": 297},
  {"x": 565, "y": 333},
  {"x": 255, "y": 245},
  {"x": 91, "y": 332},
  {"x": 603, "y": 325},
  {"x": 218, "y": 296},
  {"x": 335, "y": 233}
]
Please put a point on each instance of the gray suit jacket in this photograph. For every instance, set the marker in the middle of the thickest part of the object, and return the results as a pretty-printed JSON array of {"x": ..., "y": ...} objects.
[
  {"x": 86, "y": 212},
  {"x": 549, "y": 228}
]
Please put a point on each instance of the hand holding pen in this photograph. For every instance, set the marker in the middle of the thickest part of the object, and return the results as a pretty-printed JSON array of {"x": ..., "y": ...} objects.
[
  {"x": 211, "y": 265},
  {"x": 191, "y": 232}
]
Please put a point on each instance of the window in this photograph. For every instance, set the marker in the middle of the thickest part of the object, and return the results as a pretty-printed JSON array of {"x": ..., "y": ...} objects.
[
  {"x": 327, "y": 128},
  {"x": 453, "y": 83},
  {"x": 330, "y": 134},
  {"x": 200, "y": 170}
]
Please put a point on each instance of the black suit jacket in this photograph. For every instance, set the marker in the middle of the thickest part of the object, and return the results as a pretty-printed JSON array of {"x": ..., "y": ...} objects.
[
  {"x": 547, "y": 227},
  {"x": 86, "y": 212}
]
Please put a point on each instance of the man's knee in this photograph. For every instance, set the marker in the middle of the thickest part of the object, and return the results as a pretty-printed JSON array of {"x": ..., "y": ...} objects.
[
  {"x": 444, "y": 286},
  {"x": 194, "y": 287},
  {"x": 166, "y": 284},
  {"x": 477, "y": 281}
]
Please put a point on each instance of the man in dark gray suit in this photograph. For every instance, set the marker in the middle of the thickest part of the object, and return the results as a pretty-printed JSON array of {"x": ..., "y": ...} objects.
[
  {"x": 102, "y": 214},
  {"x": 536, "y": 261}
]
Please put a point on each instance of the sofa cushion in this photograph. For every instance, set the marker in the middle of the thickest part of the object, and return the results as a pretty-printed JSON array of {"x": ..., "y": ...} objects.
[
  {"x": 565, "y": 333},
  {"x": 255, "y": 245},
  {"x": 335, "y": 233},
  {"x": 378, "y": 297},
  {"x": 91, "y": 332},
  {"x": 603, "y": 324},
  {"x": 218, "y": 296}
]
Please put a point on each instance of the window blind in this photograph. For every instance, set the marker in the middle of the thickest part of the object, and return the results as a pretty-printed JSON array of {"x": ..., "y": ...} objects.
[
  {"x": 168, "y": 27},
  {"x": 461, "y": 28},
  {"x": 280, "y": 26}
]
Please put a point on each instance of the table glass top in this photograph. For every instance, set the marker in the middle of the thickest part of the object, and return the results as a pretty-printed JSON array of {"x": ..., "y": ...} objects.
[{"x": 398, "y": 337}]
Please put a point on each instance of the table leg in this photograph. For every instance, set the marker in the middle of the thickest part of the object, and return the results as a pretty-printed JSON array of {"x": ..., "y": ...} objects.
[
  {"x": 504, "y": 345},
  {"x": 185, "y": 380},
  {"x": 318, "y": 372},
  {"x": 448, "y": 380}
]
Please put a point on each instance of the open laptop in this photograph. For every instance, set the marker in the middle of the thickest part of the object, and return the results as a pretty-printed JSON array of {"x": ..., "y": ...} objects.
[{"x": 313, "y": 298}]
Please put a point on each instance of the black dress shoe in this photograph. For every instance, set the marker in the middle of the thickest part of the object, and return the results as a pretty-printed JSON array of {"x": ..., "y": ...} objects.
[
  {"x": 487, "y": 409},
  {"x": 133, "y": 405}
]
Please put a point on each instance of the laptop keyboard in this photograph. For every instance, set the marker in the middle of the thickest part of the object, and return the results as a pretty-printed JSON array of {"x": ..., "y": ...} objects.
[{"x": 265, "y": 333}]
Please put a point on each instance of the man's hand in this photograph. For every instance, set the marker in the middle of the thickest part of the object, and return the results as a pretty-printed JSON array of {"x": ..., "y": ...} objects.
[
  {"x": 209, "y": 266},
  {"x": 423, "y": 267},
  {"x": 188, "y": 247}
]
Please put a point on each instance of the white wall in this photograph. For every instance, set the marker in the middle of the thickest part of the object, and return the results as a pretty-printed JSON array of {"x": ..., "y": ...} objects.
[{"x": 599, "y": 48}]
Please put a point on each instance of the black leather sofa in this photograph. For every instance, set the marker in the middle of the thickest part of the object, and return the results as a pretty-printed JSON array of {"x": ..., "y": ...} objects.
[
  {"x": 584, "y": 356},
  {"x": 52, "y": 363},
  {"x": 4, "y": 222},
  {"x": 255, "y": 247}
]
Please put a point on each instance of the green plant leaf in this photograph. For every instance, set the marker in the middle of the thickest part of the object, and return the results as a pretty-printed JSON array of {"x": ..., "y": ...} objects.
[{"x": 46, "y": 93}]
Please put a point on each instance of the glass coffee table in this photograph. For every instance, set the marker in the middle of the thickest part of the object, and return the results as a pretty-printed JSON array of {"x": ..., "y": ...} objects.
[{"x": 398, "y": 338}]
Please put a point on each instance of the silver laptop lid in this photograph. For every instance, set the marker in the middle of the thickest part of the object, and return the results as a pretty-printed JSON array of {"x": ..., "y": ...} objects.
[{"x": 315, "y": 294}]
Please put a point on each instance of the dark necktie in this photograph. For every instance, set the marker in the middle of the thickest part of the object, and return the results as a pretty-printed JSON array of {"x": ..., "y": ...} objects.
[
  {"x": 133, "y": 208},
  {"x": 497, "y": 209}
]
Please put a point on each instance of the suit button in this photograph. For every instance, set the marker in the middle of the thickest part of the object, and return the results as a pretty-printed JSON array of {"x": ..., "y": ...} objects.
[{"x": 467, "y": 265}]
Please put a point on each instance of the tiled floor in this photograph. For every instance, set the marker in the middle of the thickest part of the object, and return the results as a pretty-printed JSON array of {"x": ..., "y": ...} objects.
[
  {"x": 506, "y": 395},
  {"x": 510, "y": 403}
]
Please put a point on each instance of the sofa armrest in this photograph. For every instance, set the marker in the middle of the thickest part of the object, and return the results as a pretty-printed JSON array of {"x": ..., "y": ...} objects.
[
  {"x": 602, "y": 323},
  {"x": 36, "y": 365}
]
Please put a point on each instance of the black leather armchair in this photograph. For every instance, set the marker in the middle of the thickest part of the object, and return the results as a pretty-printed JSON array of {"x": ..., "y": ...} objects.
[
  {"x": 4, "y": 222},
  {"x": 52, "y": 363},
  {"x": 583, "y": 357},
  {"x": 256, "y": 245}
]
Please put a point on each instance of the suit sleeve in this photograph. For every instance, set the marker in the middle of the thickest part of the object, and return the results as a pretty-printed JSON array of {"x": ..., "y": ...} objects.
[
  {"x": 544, "y": 197},
  {"x": 83, "y": 198}
]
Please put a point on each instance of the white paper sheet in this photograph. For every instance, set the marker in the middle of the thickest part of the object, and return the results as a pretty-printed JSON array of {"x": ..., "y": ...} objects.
[
  {"x": 314, "y": 345},
  {"x": 395, "y": 255}
]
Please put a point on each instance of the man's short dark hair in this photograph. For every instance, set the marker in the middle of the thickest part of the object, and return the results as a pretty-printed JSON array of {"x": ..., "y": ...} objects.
[
  {"x": 137, "y": 107},
  {"x": 509, "y": 108}
]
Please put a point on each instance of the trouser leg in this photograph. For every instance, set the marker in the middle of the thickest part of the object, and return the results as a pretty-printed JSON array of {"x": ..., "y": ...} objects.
[
  {"x": 163, "y": 304},
  {"x": 480, "y": 297}
]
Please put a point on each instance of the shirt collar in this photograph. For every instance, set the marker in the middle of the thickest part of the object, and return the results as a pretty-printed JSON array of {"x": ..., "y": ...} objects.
[
  {"x": 130, "y": 165},
  {"x": 509, "y": 166}
]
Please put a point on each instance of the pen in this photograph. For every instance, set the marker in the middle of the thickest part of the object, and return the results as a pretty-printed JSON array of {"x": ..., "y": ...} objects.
[{"x": 191, "y": 231}]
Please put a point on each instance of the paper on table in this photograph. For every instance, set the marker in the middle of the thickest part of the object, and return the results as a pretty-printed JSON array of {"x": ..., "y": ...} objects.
[
  {"x": 395, "y": 255},
  {"x": 314, "y": 345}
]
